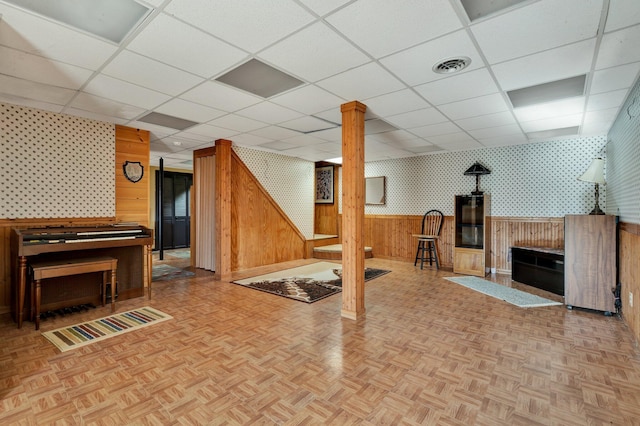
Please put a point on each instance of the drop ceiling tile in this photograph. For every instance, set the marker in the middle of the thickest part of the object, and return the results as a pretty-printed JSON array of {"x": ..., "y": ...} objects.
[
  {"x": 489, "y": 120},
  {"x": 455, "y": 141},
  {"x": 408, "y": 143},
  {"x": 268, "y": 112},
  {"x": 213, "y": 132},
  {"x": 547, "y": 110},
  {"x": 435, "y": 130},
  {"x": 107, "y": 107},
  {"x": 363, "y": 82},
  {"x": 551, "y": 65},
  {"x": 220, "y": 96},
  {"x": 393, "y": 136},
  {"x": 121, "y": 91},
  {"x": 189, "y": 110},
  {"x": 188, "y": 136},
  {"x": 474, "y": 107},
  {"x": 332, "y": 135},
  {"x": 278, "y": 145},
  {"x": 247, "y": 139},
  {"x": 603, "y": 115},
  {"x": 415, "y": 65},
  {"x": 606, "y": 100},
  {"x": 619, "y": 48},
  {"x": 38, "y": 36},
  {"x": 145, "y": 72},
  {"x": 418, "y": 118},
  {"x": 307, "y": 124},
  {"x": 536, "y": 27},
  {"x": 552, "y": 123},
  {"x": 31, "y": 103},
  {"x": 95, "y": 116},
  {"x": 370, "y": 23},
  {"x": 302, "y": 55},
  {"x": 274, "y": 133},
  {"x": 458, "y": 87},
  {"x": 622, "y": 13},
  {"x": 395, "y": 103},
  {"x": 170, "y": 41},
  {"x": 41, "y": 70},
  {"x": 157, "y": 131},
  {"x": 494, "y": 132},
  {"x": 322, "y": 7},
  {"x": 36, "y": 91},
  {"x": 251, "y": 25},
  {"x": 506, "y": 140},
  {"x": 305, "y": 140},
  {"x": 610, "y": 79},
  {"x": 238, "y": 123},
  {"x": 308, "y": 99}
]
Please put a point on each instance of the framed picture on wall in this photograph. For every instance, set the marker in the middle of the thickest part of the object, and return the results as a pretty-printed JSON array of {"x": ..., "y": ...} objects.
[{"x": 324, "y": 185}]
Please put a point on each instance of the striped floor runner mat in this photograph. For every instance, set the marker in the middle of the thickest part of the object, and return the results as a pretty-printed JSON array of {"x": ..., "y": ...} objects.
[{"x": 78, "y": 335}]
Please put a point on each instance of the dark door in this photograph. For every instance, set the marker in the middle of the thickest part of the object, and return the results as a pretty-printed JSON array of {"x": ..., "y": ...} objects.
[{"x": 176, "y": 216}]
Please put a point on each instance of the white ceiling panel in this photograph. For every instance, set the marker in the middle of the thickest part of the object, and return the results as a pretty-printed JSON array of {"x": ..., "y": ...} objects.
[
  {"x": 555, "y": 64},
  {"x": 609, "y": 79},
  {"x": 112, "y": 88},
  {"x": 263, "y": 21},
  {"x": 170, "y": 41},
  {"x": 303, "y": 56},
  {"x": 275, "y": 133},
  {"x": 395, "y": 103},
  {"x": 369, "y": 23},
  {"x": 307, "y": 124},
  {"x": 145, "y": 72},
  {"x": 17, "y": 100},
  {"x": 550, "y": 109},
  {"x": 308, "y": 99},
  {"x": 220, "y": 96},
  {"x": 422, "y": 117},
  {"x": 189, "y": 111},
  {"x": 536, "y": 27},
  {"x": 212, "y": 132},
  {"x": 363, "y": 82},
  {"x": 270, "y": 113},
  {"x": 41, "y": 70},
  {"x": 622, "y": 13},
  {"x": 322, "y": 7},
  {"x": 494, "y": 132},
  {"x": 238, "y": 123},
  {"x": 619, "y": 48},
  {"x": 248, "y": 139},
  {"x": 415, "y": 65},
  {"x": 436, "y": 129},
  {"x": 505, "y": 140},
  {"x": 104, "y": 106},
  {"x": 458, "y": 87},
  {"x": 552, "y": 123},
  {"x": 474, "y": 107},
  {"x": 489, "y": 120},
  {"x": 96, "y": 116},
  {"x": 35, "y": 91},
  {"x": 606, "y": 100},
  {"x": 38, "y": 36}
]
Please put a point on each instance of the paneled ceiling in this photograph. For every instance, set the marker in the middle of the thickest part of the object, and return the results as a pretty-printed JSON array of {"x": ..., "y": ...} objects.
[{"x": 379, "y": 52}]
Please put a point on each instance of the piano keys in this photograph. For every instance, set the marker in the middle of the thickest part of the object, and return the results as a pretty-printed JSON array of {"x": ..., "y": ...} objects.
[{"x": 130, "y": 244}]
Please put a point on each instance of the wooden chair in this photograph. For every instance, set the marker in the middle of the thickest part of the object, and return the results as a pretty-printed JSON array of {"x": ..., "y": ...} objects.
[{"x": 431, "y": 227}]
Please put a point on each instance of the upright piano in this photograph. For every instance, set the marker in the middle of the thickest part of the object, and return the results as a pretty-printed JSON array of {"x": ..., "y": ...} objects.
[{"x": 130, "y": 244}]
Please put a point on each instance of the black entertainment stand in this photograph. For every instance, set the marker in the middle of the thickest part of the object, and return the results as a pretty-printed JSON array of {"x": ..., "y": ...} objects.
[{"x": 539, "y": 267}]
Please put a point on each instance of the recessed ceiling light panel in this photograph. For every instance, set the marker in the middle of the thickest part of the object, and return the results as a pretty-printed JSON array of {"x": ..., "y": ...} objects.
[
  {"x": 167, "y": 121},
  {"x": 109, "y": 19},
  {"x": 548, "y": 92},
  {"x": 451, "y": 65},
  {"x": 259, "y": 78},
  {"x": 554, "y": 133},
  {"x": 477, "y": 9}
]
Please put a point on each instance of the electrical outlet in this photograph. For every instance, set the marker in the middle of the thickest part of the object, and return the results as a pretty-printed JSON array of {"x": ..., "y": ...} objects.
[{"x": 630, "y": 299}]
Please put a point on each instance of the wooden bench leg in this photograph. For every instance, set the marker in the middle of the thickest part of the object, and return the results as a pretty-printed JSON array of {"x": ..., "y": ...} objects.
[
  {"x": 37, "y": 303},
  {"x": 113, "y": 290},
  {"x": 104, "y": 288}
]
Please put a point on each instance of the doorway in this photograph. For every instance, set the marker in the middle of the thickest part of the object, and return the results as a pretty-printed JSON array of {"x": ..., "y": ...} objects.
[{"x": 176, "y": 215}]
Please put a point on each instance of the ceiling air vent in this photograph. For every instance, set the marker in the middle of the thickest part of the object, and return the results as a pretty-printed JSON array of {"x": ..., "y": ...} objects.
[{"x": 451, "y": 65}]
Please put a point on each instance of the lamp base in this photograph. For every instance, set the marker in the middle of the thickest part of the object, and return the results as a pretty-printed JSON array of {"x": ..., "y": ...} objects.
[{"x": 596, "y": 211}]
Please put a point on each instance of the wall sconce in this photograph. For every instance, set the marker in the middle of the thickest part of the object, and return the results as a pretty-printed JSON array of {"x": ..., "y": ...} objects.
[{"x": 595, "y": 174}]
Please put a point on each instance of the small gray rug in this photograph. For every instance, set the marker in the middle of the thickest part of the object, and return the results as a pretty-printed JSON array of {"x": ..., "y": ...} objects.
[{"x": 508, "y": 294}]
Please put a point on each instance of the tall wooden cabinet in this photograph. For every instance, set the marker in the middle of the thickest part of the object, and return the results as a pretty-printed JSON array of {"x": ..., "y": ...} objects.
[
  {"x": 471, "y": 252},
  {"x": 590, "y": 261}
]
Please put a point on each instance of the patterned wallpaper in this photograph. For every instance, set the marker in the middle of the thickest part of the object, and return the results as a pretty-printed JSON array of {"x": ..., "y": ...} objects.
[
  {"x": 55, "y": 165},
  {"x": 533, "y": 180},
  {"x": 623, "y": 158},
  {"x": 289, "y": 181}
]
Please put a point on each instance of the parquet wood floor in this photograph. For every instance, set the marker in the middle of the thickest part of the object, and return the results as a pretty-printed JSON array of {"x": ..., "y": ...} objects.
[{"x": 428, "y": 352}]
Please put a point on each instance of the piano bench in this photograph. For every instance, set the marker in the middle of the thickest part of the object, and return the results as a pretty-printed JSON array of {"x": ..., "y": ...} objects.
[{"x": 43, "y": 270}]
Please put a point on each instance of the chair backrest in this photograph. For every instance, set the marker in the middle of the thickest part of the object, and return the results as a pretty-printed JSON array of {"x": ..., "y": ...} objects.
[{"x": 432, "y": 223}]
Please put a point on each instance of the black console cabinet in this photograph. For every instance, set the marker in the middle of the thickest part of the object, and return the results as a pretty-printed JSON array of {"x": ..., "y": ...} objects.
[{"x": 542, "y": 268}]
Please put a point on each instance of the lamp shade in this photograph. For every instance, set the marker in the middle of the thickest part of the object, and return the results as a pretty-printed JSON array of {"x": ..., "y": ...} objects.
[{"x": 595, "y": 172}]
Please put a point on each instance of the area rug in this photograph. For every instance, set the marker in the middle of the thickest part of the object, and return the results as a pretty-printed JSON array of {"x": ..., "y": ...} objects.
[
  {"x": 508, "y": 294},
  {"x": 179, "y": 253},
  {"x": 167, "y": 272},
  {"x": 75, "y": 336},
  {"x": 308, "y": 283}
]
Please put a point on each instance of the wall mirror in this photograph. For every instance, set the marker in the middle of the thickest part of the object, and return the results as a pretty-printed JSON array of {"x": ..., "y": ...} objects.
[{"x": 375, "y": 190}]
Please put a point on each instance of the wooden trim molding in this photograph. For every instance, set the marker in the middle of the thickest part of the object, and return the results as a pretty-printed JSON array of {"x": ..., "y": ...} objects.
[{"x": 631, "y": 228}]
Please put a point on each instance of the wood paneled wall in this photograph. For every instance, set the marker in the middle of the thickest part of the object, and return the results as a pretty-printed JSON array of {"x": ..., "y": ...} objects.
[
  {"x": 132, "y": 199},
  {"x": 390, "y": 237},
  {"x": 5, "y": 255},
  {"x": 629, "y": 271},
  {"x": 262, "y": 234}
]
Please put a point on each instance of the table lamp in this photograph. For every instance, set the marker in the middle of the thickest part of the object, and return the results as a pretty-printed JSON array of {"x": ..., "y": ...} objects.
[{"x": 595, "y": 174}]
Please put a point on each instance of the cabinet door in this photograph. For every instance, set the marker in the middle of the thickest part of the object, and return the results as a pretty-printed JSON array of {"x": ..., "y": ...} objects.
[
  {"x": 590, "y": 261},
  {"x": 468, "y": 261}
]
